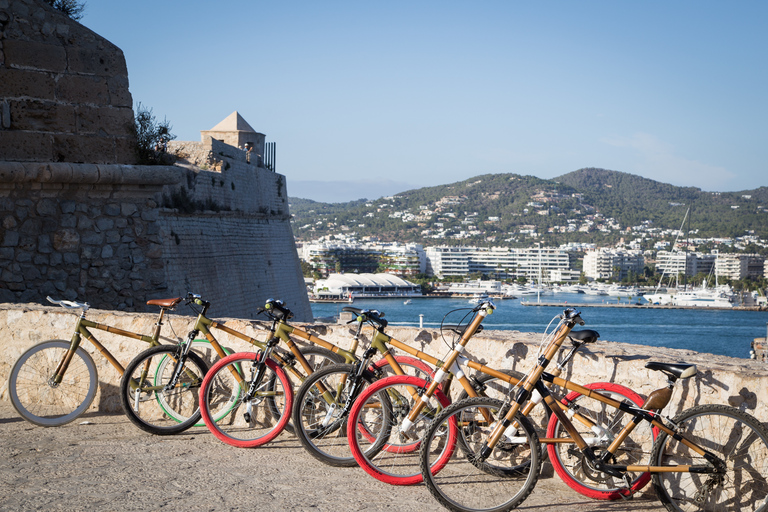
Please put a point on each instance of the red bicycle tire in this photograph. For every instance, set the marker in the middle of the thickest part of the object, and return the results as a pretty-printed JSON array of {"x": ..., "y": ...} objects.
[{"x": 280, "y": 425}]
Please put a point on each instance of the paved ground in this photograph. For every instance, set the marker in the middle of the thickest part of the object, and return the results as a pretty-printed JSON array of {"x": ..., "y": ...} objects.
[{"x": 102, "y": 462}]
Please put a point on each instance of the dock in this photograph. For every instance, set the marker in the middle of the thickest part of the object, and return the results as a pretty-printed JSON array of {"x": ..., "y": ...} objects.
[{"x": 580, "y": 305}]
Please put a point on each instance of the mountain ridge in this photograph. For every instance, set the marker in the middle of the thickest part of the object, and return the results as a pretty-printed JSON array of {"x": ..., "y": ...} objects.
[{"x": 490, "y": 209}]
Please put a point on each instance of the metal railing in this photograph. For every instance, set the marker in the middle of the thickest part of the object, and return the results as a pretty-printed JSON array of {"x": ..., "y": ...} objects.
[{"x": 270, "y": 149}]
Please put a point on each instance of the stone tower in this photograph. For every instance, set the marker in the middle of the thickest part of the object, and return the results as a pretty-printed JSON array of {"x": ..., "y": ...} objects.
[
  {"x": 63, "y": 90},
  {"x": 76, "y": 222},
  {"x": 235, "y": 131}
]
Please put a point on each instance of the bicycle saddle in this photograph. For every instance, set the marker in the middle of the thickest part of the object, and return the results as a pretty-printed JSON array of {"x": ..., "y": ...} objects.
[
  {"x": 164, "y": 303},
  {"x": 584, "y": 336},
  {"x": 459, "y": 329},
  {"x": 675, "y": 370}
]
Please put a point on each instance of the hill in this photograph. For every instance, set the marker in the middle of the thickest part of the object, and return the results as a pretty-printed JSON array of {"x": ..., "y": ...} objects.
[{"x": 588, "y": 205}]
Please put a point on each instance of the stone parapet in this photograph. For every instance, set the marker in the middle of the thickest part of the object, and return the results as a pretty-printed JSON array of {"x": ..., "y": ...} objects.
[{"x": 741, "y": 383}]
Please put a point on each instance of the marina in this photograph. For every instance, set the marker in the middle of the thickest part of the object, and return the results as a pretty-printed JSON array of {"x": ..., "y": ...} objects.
[{"x": 727, "y": 332}]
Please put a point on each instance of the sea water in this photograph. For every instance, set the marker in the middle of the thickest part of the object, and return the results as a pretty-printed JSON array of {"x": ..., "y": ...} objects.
[{"x": 721, "y": 332}]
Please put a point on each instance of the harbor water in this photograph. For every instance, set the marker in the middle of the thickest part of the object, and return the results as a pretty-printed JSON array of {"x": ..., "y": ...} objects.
[{"x": 721, "y": 332}]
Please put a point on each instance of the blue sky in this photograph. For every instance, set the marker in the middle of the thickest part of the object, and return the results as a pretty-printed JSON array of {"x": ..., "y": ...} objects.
[{"x": 366, "y": 99}]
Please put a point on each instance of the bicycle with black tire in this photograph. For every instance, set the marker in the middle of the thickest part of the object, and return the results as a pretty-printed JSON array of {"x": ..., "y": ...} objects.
[
  {"x": 159, "y": 391},
  {"x": 54, "y": 382},
  {"x": 237, "y": 406},
  {"x": 708, "y": 457},
  {"x": 396, "y": 460}
]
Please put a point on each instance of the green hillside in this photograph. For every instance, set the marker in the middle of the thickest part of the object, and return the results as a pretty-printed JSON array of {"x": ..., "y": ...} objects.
[{"x": 497, "y": 209}]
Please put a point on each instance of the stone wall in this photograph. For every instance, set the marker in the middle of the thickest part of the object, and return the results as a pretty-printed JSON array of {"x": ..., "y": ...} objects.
[
  {"x": 741, "y": 383},
  {"x": 117, "y": 236},
  {"x": 63, "y": 90}
]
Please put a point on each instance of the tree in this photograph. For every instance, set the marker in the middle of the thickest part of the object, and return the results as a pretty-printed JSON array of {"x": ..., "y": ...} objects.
[
  {"x": 71, "y": 8},
  {"x": 151, "y": 137}
]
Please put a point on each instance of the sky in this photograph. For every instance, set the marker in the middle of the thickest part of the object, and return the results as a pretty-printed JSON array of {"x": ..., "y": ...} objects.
[{"x": 367, "y": 99}]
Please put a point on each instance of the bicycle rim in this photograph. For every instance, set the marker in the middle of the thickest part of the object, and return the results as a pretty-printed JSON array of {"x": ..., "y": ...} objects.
[
  {"x": 735, "y": 437},
  {"x": 148, "y": 401},
  {"x": 204, "y": 349},
  {"x": 455, "y": 474},
  {"x": 249, "y": 422},
  {"x": 571, "y": 465},
  {"x": 39, "y": 401},
  {"x": 397, "y": 462}
]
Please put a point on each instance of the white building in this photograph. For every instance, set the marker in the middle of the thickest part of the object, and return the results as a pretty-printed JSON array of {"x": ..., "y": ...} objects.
[
  {"x": 612, "y": 263},
  {"x": 739, "y": 266},
  {"x": 499, "y": 262},
  {"x": 365, "y": 285}
]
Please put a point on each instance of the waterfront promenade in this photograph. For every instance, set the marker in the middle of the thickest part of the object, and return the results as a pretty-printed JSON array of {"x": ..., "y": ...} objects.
[{"x": 101, "y": 462}]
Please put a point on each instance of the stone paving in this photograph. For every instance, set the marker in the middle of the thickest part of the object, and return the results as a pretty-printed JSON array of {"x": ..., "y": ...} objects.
[{"x": 102, "y": 462}]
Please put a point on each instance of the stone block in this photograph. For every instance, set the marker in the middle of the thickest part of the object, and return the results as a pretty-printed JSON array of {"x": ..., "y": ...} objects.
[
  {"x": 125, "y": 150},
  {"x": 66, "y": 240},
  {"x": 47, "y": 207},
  {"x": 26, "y": 147},
  {"x": 10, "y": 239},
  {"x": 15, "y": 83},
  {"x": 44, "y": 244},
  {"x": 104, "y": 121},
  {"x": 119, "y": 93},
  {"x": 112, "y": 210},
  {"x": 82, "y": 89},
  {"x": 34, "y": 55},
  {"x": 83, "y": 149},
  {"x": 42, "y": 116},
  {"x": 95, "y": 61}
]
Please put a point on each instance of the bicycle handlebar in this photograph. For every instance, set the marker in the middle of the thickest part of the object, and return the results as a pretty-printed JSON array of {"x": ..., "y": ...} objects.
[
  {"x": 277, "y": 305},
  {"x": 372, "y": 316},
  {"x": 69, "y": 304}
]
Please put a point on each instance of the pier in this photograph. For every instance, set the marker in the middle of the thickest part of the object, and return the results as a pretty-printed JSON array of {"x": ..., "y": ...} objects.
[{"x": 580, "y": 305}]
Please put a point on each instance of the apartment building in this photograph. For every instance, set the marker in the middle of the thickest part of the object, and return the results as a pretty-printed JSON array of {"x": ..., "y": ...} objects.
[
  {"x": 499, "y": 262},
  {"x": 739, "y": 266},
  {"x": 613, "y": 264},
  {"x": 684, "y": 263}
]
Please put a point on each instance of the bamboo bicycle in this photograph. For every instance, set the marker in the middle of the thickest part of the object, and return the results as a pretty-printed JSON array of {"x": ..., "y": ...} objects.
[
  {"x": 228, "y": 396},
  {"x": 708, "y": 457},
  {"x": 159, "y": 390},
  {"x": 55, "y": 381},
  {"x": 395, "y": 460}
]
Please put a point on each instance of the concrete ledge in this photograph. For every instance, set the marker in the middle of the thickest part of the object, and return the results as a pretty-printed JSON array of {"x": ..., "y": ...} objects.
[
  {"x": 36, "y": 172},
  {"x": 742, "y": 383}
]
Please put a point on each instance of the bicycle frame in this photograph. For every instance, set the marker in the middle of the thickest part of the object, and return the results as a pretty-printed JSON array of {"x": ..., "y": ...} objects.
[
  {"x": 535, "y": 381},
  {"x": 81, "y": 331}
]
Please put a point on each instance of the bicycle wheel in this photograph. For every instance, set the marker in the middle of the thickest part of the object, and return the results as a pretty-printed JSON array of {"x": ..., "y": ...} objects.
[
  {"x": 740, "y": 442},
  {"x": 317, "y": 357},
  {"x": 571, "y": 465},
  {"x": 42, "y": 402},
  {"x": 147, "y": 402},
  {"x": 249, "y": 422},
  {"x": 321, "y": 417},
  {"x": 397, "y": 461},
  {"x": 202, "y": 348},
  {"x": 462, "y": 481}
]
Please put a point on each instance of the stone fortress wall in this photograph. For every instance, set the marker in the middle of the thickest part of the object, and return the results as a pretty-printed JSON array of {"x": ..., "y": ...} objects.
[
  {"x": 77, "y": 221},
  {"x": 741, "y": 383},
  {"x": 63, "y": 90}
]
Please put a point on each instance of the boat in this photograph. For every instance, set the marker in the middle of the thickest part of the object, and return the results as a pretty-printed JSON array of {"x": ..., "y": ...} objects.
[
  {"x": 478, "y": 299},
  {"x": 406, "y": 302}
]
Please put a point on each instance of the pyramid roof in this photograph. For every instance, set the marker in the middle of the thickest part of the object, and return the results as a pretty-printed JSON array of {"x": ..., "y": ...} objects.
[{"x": 234, "y": 122}]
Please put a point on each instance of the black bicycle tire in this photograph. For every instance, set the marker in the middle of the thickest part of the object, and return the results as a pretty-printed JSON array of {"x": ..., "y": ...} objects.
[
  {"x": 125, "y": 390},
  {"x": 658, "y": 452},
  {"x": 427, "y": 469}
]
